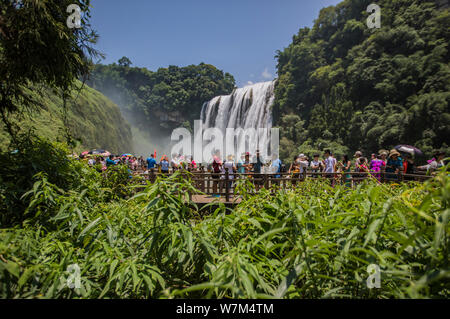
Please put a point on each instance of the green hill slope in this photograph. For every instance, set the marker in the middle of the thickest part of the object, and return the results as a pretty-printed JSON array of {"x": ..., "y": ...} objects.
[{"x": 91, "y": 118}]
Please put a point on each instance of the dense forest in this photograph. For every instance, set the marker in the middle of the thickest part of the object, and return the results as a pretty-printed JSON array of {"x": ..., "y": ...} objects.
[
  {"x": 162, "y": 100},
  {"x": 345, "y": 86}
]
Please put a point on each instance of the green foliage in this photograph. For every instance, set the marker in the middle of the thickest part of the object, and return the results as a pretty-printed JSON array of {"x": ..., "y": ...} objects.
[
  {"x": 37, "y": 46},
  {"x": 124, "y": 61},
  {"x": 116, "y": 179},
  {"x": 313, "y": 241},
  {"x": 164, "y": 99},
  {"x": 48, "y": 161},
  {"x": 90, "y": 118},
  {"x": 369, "y": 89}
]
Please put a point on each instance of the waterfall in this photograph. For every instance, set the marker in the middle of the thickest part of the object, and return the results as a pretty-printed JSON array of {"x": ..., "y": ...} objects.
[{"x": 246, "y": 108}]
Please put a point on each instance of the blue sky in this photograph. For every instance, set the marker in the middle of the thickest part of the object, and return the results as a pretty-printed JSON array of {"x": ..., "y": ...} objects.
[{"x": 237, "y": 36}]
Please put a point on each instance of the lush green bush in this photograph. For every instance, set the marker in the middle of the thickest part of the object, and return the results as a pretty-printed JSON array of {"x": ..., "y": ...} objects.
[
  {"x": 17, "y": 173},
  {"x": 39, "y": 169},
  {"x": 311, "y": 242}
]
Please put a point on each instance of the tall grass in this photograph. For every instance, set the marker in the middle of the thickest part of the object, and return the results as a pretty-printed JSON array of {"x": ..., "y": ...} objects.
[{"x": 315, "y": 241}]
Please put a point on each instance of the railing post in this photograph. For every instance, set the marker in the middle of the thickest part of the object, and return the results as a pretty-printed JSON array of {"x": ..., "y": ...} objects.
[
  {"x": 227, "y": 185},
  {"x": 266, "y": 181},
  {"x": 202, "y": 178},
  {"x": 400, "y": 176}
]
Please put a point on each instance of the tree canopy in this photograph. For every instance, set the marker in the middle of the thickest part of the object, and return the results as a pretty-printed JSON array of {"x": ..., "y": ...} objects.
[
  {"x": 37, "y": 46},
  {"x": 367, "y": 88},
  {"x": 162, "y": 99}
]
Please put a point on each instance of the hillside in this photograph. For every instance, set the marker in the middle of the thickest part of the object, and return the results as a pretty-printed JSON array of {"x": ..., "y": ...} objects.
[
  {"x": 156, "y": 102},
  {"x": 91, "y": 118},
  {"x": 345, "y": 86}
]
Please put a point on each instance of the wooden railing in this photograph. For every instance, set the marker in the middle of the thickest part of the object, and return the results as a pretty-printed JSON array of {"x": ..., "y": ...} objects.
[{"x": 223, "y": 184}]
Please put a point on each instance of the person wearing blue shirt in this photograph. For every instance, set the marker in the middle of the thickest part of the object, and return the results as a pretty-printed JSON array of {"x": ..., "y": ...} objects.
[
  {"x": 164, "y": 165},
  {"x": 394, "y": 165},
  {"x": 240, "y": 166},
  {"x": 151, "y": 162},
  {"x": 276, "y": 164},
  {"x": 110, "y": 161}
]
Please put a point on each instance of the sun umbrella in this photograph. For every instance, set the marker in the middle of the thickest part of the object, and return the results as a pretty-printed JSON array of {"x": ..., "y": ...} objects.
[
  {"x": 97, "y": 151},
  {"x": 409, "y": 149},
  {"x": 127, "y": 155},
  {"x": 85, "y": 153}
]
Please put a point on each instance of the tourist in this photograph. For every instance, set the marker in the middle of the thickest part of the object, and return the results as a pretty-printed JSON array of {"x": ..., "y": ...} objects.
[
  {"x": 241, "y": 167},
  {"x": 294, "y": 170},
  {"x": 330, "y": 165},
  {"x": 384, "y": 155},
  {"x": 357, "y": 156},
  {"x": 316, "y": 165},
  {"x": 394, "y": 165},
  {"x": 247, "y": 164},
  {"x": 363, "y": 165},
  {"x": 435, "y": 163},
  {"x": 151, "y": 162},
  {"x": 134, "y": 163},
  {"x": 216, "y": 169},
  {"x": 257, "y": 169},
  {"x": 276, "y": 165},
  {"x": 164, "y": 165},
  {"x": 302, "y": 164},
  {"x": 192, "y": 164},
  {"x": 376, "y": 165},
  {"x": 102, "y": 162},
  {"x": 258, "y": 163},
  {"x": 174, "y": 162},
  {"x": 229, "y": 165},
  {"x": 110, "y": 161},
  {"x": 408, "y": 167},
  {"x": 141, "y": 162},
  {"x": 91, "y": 161},
  {"x": 346, "y": 166}
]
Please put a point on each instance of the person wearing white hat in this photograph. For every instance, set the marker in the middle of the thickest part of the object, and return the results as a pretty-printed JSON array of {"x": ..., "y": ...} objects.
[
  {"x": 302, "y": 163},
  {"x": 357, "y": 156}
]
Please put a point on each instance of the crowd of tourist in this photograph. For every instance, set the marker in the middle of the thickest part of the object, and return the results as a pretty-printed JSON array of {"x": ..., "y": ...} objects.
[{"x": 391, "y": 162}]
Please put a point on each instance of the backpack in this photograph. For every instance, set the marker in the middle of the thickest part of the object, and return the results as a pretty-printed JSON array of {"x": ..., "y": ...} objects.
[{"x": 216, "y": 167}]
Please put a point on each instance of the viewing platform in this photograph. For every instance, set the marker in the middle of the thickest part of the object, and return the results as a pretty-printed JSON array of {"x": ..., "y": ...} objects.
[{"x": 220, "y": 188}]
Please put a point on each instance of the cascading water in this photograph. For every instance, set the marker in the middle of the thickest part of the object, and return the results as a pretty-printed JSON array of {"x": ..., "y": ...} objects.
[{"x": 246, "y": 108}]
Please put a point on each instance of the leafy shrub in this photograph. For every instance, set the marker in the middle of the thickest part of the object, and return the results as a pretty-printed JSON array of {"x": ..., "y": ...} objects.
[
  {"x": 32, "y": 155},
  {"x": 311, "y": 242}
]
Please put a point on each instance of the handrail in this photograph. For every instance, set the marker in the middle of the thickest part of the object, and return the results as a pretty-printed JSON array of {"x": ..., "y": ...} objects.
[{"x": 213, "y": 183}]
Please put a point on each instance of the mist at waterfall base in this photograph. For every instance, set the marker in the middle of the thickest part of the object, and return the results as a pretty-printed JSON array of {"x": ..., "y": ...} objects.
[
  {"x": 245, "y": 109},
  {"x": 144, "y": 139},
  {"x": 145, "y": 143}
]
